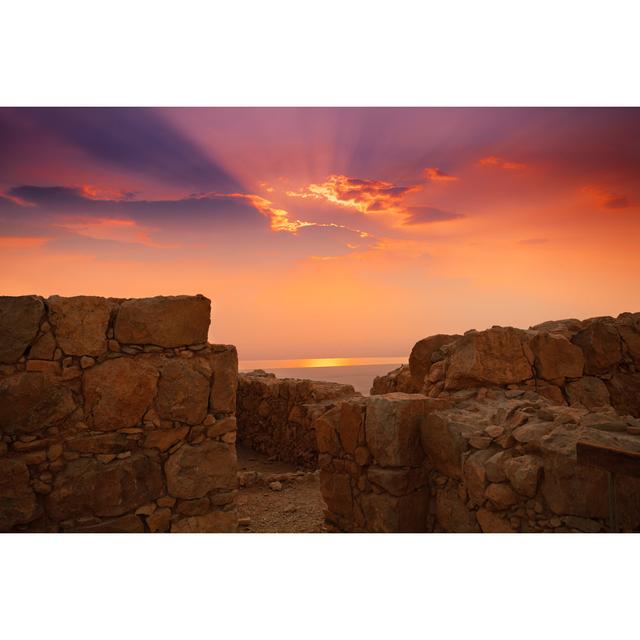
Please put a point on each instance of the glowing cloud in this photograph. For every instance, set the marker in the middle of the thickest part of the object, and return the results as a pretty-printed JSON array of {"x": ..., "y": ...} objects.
[
  {"x": 115, "y": 229},
  {"x": 366, "y": 196},
  {"x": 437, "y": 175},
  {"x": 22, "y": 242},
  {"x": 501, "y": 163},
  {"x": 606, "y": 199}
]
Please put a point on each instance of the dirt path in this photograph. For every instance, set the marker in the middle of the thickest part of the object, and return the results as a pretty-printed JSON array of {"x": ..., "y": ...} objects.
[{"x": 277, "y": 497}]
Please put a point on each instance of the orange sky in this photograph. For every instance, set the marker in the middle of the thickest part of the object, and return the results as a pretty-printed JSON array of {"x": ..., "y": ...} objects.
[{"x": 328, "y": 232}]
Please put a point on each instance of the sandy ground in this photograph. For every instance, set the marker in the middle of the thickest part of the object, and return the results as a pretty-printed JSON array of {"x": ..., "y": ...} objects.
[{"x": 296, "y": 508}]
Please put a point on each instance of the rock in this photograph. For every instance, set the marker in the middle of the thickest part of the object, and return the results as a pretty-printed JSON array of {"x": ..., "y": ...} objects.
[
  {"x": 166, "y": 501},
  {"x": 396, "y": 514},
  {"x": 336, "y": 492},
  {"x": 17, "y": 500},
  {"x": 362, "y": 455},
  {"x": 582, "y": 524},
  {"x": 126, "y": 524},
  {"x": 103, "y": 443},
  {"x": 164, "y": 439},
  {"x": 54, "y": 451},
  {"x": 214, "y": 522},
  {"x": 590, "y": 392},
  {"x": 420, "y": 358},
  {"x": 167, "y": 321},
  {"x": 601, "y": 345},
  {"x": 183, "y": 392},
  {"x": 475, "y": 475},
  {"x": 393, "y": 428},
  {"x": 630, "y": 335},
  {"x": 220, "y": 427},
  {"x": 118, "y": 392},
  {"x": 351, "y": 425},
  {"x": 159, "y": 521},
  {"x": 491, "y": 522},
  {"x": 555, "y": 357},
  {"x": 494, "y": 431},
  {"x": 196, "y": 507},
  {"x": 81, "y": 323},
  {"x": 523, "y": 472},
  {"x": 89, "y": 487},
  {"x": 550, "y": 391},
  {"x": 443, "y": 443},
  {"x": 397, "y": 482},
  {"x": 494, "y": 466},
  {"x": 30, "y": 402},
  {"x": 51, "y": 367},
  {"x": 624, "y": 390},
  {"x": 244, "y": 522},
  {"x": 495, "y": 357},
  {"x": 19, "y": 323},
  {"x": 224, "y": 363},
  {"x": 193, "y": 471},
  {"x": 452, "y": 514},
  {"x": 86, "y": 362},
  {"x": 43, "y": 348},
  {"x": 532, "y": 432},
  {"x": 502, "y": 496},
  {"x": 275, "y": 486}
]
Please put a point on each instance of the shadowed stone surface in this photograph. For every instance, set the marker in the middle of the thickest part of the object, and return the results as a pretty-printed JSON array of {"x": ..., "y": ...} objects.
[
  {"x": 183, "y": 391},
  {"x": 30, "y": 401},
  {"x": 19, "y": 321},
  {"x": 194, "y": 471},
  {"x": 118, "y": 392},
  {"x": 167, "y": 321},
  {"x": 17, "y": 499},
  {"x": 81, "y": 323},
  {"x": 89, "y": 487}
]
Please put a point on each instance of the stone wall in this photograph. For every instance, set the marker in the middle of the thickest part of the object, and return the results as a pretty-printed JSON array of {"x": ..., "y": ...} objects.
[
  {"x": 591, "y": 363},
  {"x": 115, "y": 415},
  {"x": 486, "y": 460},
  {"x": 276, "y": 415}
]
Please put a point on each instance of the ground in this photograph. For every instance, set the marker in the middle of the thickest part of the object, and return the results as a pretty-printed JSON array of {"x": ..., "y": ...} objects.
[{"x": 295, "y": 507}]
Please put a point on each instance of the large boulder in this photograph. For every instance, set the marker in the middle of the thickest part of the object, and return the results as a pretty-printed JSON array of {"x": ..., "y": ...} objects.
[
  {"x": 601, "y": 345},
  {"x": 81, "y": 323},
  {"x": 183, "y": 391},
  {"x": 118, "y": 392},
  {"x": 497, "y": 356},
  {"x": 396, "y": 514},
  {"x": 421, "y": 354},
  {"x": 524, "y": 472},
  {"x": 556, "y": 357},
  {"x": 337, "y": 494},
  {"x": 393, "y": 428},
  {"x": 89, "y": 487},
  {"x": 452, "y": 514},
  {"x": 224, "y": 385},
  {"x": 624, "y": 390},
  {"x": 19, "y": 322},
  {"x": 629, "y": 328},
  {"x": 590, "y": 392},
  {"x": 32, "y": 401},
  {"x": 17, "y": 500},
  {"x": 195, "y": 470},
  {"x": 167, "y": 321}
]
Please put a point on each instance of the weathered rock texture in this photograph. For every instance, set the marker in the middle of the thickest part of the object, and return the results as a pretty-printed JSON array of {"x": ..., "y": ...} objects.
[
  {"x": 489, "y": 442},
  {"x": 115, "y": 415},
  {"x": 591, "y": 363},
  {"x": 276, "y": 415},
  {"x": 488, "y": 460}
]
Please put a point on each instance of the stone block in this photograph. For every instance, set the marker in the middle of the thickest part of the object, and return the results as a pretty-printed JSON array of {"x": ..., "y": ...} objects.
[
  {"x": 224, "y": 364},
  {"x": 396, "y": 514},
  {"x": 19, "y": 323},
  {"x": 183, "y": 391},
  {"x": 556, "y": 357},
  {"x": 17, "y": 500}
]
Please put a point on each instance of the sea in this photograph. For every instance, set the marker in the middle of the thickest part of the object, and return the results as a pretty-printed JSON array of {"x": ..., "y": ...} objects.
[{"x": 358, "y": 372}]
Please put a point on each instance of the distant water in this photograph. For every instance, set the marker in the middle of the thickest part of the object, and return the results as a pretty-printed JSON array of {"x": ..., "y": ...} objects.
[{"x": 360, "y": 375}]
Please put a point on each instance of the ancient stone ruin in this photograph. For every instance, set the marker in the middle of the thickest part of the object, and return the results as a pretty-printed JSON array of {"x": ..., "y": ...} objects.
[{"x": 115, "y": 415}]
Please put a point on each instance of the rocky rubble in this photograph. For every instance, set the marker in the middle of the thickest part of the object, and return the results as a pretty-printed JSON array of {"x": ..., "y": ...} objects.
[
  {"x": 276, "y": 415},
  {"x": 115, "y": 415},
  {"x": 589, "y": 363}
]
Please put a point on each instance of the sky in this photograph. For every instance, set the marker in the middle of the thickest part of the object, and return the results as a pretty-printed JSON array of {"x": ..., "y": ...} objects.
[{"x": 330, "y": 232}]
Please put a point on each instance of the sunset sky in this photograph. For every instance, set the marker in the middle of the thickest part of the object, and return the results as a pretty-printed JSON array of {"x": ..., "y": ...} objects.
[{"x": 328, "y": 232}]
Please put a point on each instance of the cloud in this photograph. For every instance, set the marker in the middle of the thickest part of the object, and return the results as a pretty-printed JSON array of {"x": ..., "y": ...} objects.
[
  {"x": 426, "y": 215},
  {"x": 366, "y": 196},
  {"x": 115, "y": 229},
  {"x": 533, "y": 241},
  {"x": 605, "y": 199},
  {"x": 436, "y": 175},
  {"x": 501, "y": 163},
  {"x": 22, "y": 242},
  {"x": 132, "y": 139}
]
